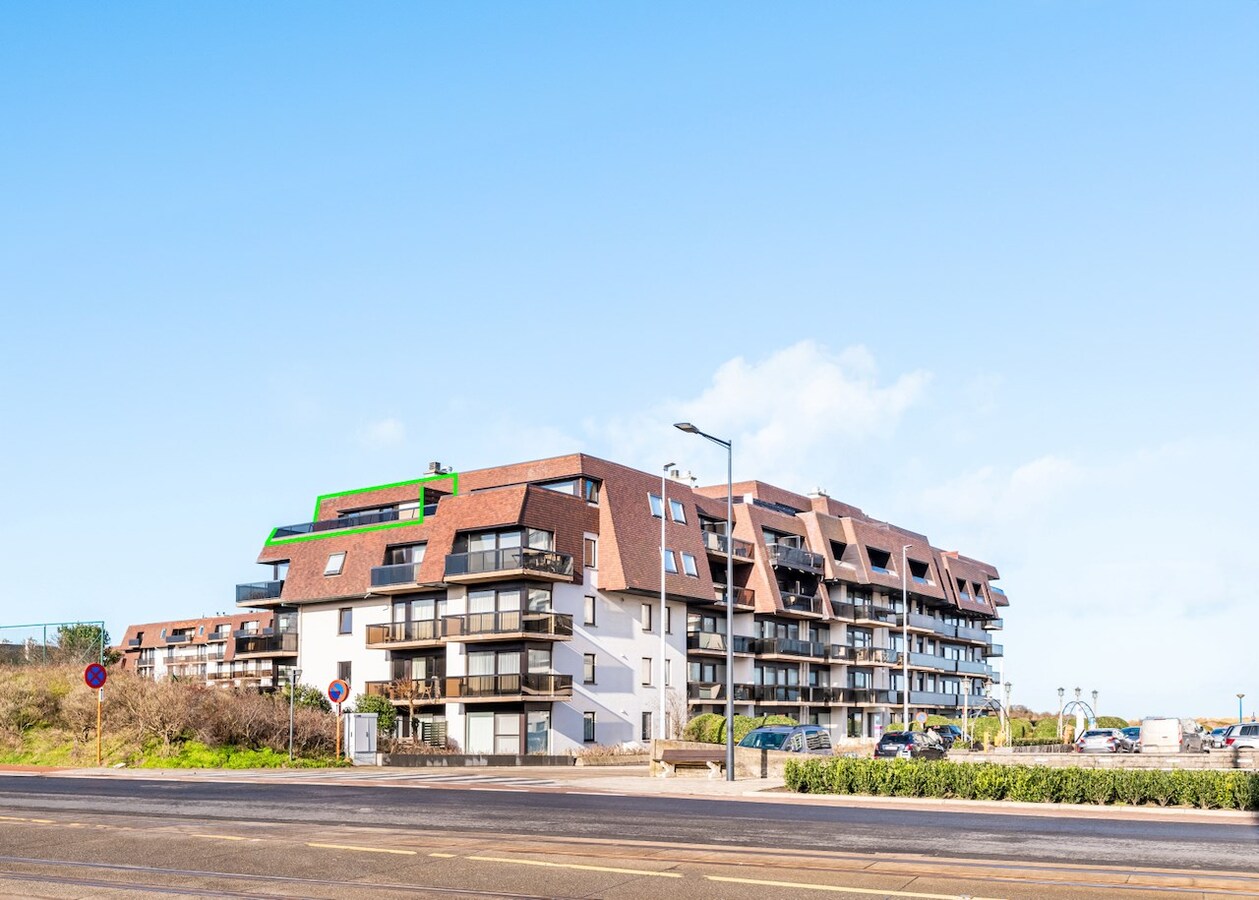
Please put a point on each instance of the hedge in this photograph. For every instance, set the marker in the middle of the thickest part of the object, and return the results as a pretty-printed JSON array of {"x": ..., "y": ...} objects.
[
  {"x": 710, "y": 728},
  {"x": 1204, "y": 789}
]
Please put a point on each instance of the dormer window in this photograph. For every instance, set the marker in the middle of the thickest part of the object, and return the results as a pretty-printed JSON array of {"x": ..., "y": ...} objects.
[
  {"x": 920, "y": 572},
  {"x": 657, "y": 505},
  {"x": 838, "y": 549},
  {"x": 335, "y": 563},
  {"x": 676, "y": 511},
  {"x": 961, "y": 589},
  {"x": 880, "y": 561},
  {"x": 586, "y": 488}
]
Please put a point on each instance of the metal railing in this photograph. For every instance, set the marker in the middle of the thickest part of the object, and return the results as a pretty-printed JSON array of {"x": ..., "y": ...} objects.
[
  {"x": 968, "y": 667},
  {"x": 278, "y": 644},
  {"x": 794, "y": 558},
  {"x": 995, "y": 650},
  {"x": 788, "y": 647},
  {"x": 842, "y": 652},
  {"x": 869, "y": 695},
  {"x": 404, "y": 632},
  {"x": 931, "y": 661},
  {"x": 773, "y": 693},
  {"x": 258, "y": 590},
  {"x": 880, "y": 614},
  {"x": 810, "y": 603},
  {"x": 419, "y": 690},
  {"x": 717, "y": 543},
  {"x": 529, "y": 559},
  {"x": 524, "y": 684},
  {"x": 994, "y": 624},
  {"x": 353, "y": 520},
  {"x": 705, "y": 691},
  {"x": 877, "y": 655},
  {"x": 967, "y": 633},
  {"x": 706, "y": 640},
  {"x": 399, "y": 573},
  {"x": 511, "y": 621},
  {"x": 742, "y": 596}
]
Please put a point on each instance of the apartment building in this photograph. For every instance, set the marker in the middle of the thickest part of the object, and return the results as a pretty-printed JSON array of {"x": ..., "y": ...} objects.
[
  {"x": 516, "y": 609},
  {"x": 225, "y": 651}
]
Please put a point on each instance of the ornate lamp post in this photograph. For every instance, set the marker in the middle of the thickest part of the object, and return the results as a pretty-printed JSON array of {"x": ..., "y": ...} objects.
[{"x": 1061, "y": 693}]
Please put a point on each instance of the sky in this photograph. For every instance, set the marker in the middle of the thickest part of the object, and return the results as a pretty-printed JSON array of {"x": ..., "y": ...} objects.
[{"x": 986, "y": 271}]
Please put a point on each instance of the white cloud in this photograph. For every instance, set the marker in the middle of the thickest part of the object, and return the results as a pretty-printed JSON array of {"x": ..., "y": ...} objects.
[{"x": 383, "y": 434}]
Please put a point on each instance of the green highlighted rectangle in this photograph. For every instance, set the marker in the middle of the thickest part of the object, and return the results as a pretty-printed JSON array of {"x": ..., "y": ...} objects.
[{"x": 452, "y": 477}]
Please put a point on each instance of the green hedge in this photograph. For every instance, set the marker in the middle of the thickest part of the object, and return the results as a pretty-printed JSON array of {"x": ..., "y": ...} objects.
[
  {"x": 1205, "y": 789},
  {"x": 710, "y": 728}
]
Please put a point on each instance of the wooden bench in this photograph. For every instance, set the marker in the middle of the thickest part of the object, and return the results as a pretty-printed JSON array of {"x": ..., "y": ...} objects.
[{"x": 714, "y": 760}]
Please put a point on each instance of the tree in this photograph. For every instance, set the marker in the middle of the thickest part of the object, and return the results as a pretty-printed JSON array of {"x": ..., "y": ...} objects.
[
  {"x": 386, "y": 714},
  {"x": 84, "y": 642},
  {"x": 307, "y": 696}
]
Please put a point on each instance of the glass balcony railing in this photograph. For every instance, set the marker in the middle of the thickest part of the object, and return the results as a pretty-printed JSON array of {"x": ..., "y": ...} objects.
[
  {"x": 529, "y": 684},
  {"x": 806, "y": 603},
  {"x": 513, "y": 621},
  {"x": 968, "y": 633},
  {"x": 353, "y": 520},
  {"x": 259, "y": 590},
  {"x": 274, "y": 644},
  {"x": 788, "y": 647},
  {"x": 994, "y": 624},
  {"x": 744, "y": 597},
  {"x": 399, "y": 573},
  {"x": 404, "y": 632},
  {"x": 876, "y": 655},
  {"x": 794, "y": 558},
  {"x": 509, "y": 559},
  {"x": 995, "y": 650},
  {"x": 969, "y": 667},
  {"x": 880, "y": 615},
  {"x": 717, "y": 543}
]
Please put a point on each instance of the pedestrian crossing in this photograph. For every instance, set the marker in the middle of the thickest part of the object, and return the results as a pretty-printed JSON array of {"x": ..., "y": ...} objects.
[{"x": 357, "y": 776}]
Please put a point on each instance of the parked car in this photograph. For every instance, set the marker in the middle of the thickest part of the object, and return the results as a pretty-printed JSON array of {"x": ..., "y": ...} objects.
[
  {"x": 948, "y": 734},
  {"x": 1132, "y": 736},
  {"x": 790, "y": 738},
  {"x": 1171, "y": 735},
  {"x": 1243, "y": 736},
  {"x": 910, "y": 745},
  {"x": 1217, "y": 736},
  {"x": 1100, "y": 740}
]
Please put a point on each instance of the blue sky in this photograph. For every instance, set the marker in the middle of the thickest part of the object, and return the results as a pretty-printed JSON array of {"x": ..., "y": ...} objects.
[{"x": 252, "y": 254}]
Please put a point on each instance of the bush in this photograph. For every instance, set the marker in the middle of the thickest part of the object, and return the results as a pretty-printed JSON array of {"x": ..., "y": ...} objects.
[
  {"x": 710, "y": 728},
  {"x": 1111, "y": 722},
  {"x": 386, "y": 712},
  {"x": 1032, "y": 784}
]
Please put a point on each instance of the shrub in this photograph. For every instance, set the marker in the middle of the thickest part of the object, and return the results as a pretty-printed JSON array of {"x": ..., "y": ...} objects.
[
  {"x": 710, "y": 728},
  {"x": 386, "y": 712}
]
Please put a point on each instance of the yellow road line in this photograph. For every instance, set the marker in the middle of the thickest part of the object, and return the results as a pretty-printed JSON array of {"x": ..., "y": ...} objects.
[
  {"x": 223, "y": 837},
  {"x": 555, "y": 865},
  {"x": 444, "y": 855},
  {"x": 883, "y": 892},
  {"x": 362, "y": 849}
]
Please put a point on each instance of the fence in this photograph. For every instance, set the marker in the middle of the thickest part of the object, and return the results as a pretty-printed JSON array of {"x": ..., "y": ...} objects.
[{"x": 53, "y": 643}]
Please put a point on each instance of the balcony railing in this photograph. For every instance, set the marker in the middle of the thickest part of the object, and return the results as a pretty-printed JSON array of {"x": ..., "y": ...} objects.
[
  {"x": 400, "y": 573},
  {"x": 871, "y": 655},
  {"x": 806, "y": 603},
  {"x": 178, "y": 638},
  {"x": 513, "y": 621},
  {"x": 842, "y": 653},
  {"x": 353, "y": 520},
  {"x": 259, "y": 590},
  {"x": 967, "y": 633},
  {"x": 717, "y": 543},
  {"x": 927, "y": 623},
  {"x": 968, "y": 667},
  {"x": 133, "y": 642},
  {"x": 508, "y": 559},
  {"x": 706, "y": 691},
  {"x": 404, "y": 632},
  {"x": 419, "y": 690},
  {"x": 934, "y": 698},
  {"x": 995, "y": 650},
  {"x": 274, "y": 644},
  {"x": 772, "y": 693},
  {"x": 744, "y": 597},
  {"x": 526, "y": 684},
  {"x": 788, "y": 647},
  {"x": 869, "y": 695},
  {"x": 881, "y": 615},
  {"x": 794, "y": 558},
  {"x": 994, "y": 624},
  {"x": 843, "y": 610},
  {"x": 822, "y": 694},
  {"x": 931, "y": 661}
]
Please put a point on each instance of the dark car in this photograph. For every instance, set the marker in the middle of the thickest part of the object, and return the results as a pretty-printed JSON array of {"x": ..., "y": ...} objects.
[
  {"x": 948, "y": 734},
  {"x": 909, "y": 745},
  {"x": 791, "y": 738},
  {"x": 1131, "y": 738}
]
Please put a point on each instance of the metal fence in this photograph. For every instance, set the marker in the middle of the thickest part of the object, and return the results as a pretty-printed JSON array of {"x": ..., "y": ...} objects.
[{"x": 53, "y": 643}]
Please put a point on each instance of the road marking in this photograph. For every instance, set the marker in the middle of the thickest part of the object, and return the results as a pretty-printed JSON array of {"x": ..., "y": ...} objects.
[
  {"x": 223, "y": 837},
  {"x": 555, "y": 865},
  {"x": 444, "y": 855},
  {"x": 362, "y": 849},
  {"x": 883, "y": 892}
]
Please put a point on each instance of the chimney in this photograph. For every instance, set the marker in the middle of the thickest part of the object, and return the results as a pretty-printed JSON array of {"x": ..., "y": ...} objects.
[{"x": 435, "y": 468}]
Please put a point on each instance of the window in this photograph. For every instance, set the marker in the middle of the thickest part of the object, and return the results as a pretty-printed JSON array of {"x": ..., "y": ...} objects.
[
  {"x": 668, "y": 672},
  {"x": 588, "y": 727},
  {"x": 646, "y": 670},
  {"x": 345, "y": 620},
  {"x": 668, "y": 620},
  {"x": 590, "y": 610},
  {"x": 588, "y": 669},
  {"x": 657, "y": 506},
  {"x": 409, "y": 553},
  {"x": 409, "y": 511},
  {"x": 646, "y": 732},
  {"x": 688, "y": 565},
  {"x": 919, "y": 572},
  {"x": 591, "y": 547},
  {"x": 880, "y": 560},
  {"x": 670, "y": 564},
  {"x": 644, "y": 616},
  {"x": 343, "y": 671},
  {"x": 676, "y": 511},
  {"x": 592, "y": 491},
  {"x": 336, "y": 561}
]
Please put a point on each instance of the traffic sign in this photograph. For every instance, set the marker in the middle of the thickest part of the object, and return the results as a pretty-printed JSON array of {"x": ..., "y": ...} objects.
[
  {"x": 338, "y": 691},
  {"x": 94, "y": 675},
  {"x": 921, "y": 718}
]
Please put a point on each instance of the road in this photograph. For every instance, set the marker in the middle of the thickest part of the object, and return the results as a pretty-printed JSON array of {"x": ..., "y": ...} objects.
[{"x": 62, "y": 836}]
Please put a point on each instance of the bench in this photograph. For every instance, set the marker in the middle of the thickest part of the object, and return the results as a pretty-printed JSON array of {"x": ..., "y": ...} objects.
[{"x": 714, "y": 760}]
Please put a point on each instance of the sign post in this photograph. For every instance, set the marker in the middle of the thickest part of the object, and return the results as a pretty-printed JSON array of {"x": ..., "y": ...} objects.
[
  {"x": 338, "y": 690},
  {"x": 94, "y": 676}
]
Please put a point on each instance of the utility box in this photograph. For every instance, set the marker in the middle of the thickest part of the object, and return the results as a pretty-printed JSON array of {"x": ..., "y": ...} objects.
[{"x": 360, "y": 738}]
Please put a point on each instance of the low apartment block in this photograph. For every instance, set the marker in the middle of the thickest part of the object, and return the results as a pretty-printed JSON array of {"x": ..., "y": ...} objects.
[
  {"x": 245, "y": 650},
  {"x": 516, "y": 609}
]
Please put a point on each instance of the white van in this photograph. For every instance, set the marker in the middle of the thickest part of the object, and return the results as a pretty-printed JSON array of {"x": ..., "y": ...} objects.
[{"x": 1164, "y": 734}]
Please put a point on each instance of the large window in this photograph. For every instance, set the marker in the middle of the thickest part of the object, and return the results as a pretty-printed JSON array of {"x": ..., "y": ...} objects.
[
  {"x": 588, "y": 668},
  {"x": 407, "y": 553},
  {"x": 588, "y": 727}
]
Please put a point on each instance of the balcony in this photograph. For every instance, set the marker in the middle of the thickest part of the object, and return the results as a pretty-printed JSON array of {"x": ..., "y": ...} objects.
[
  {"x": 529, "y": 686},
  {"x": 927, "y": 623},
  {"x": 744, "y": 598},
  {"x": 177, "y": 638},
  {"x": 717, "y": 543},
  {"x": 822, "y": 694},
  {"x": 875, "y": 615},
  {"x": 133, "y": 642},
  {"x": 399, "y": 575},
  {"x": 794, "y": 558},
  {"x": 493, "y": 565},
  {"x": 354, "y": 520},
  {"x": 771, "y": 693},
  {"x": 706, "y": 692},
  {"x": 512, "y": 623},
  {"x": 934, "y": 698},
  {"x": 933, "y": 662},
  {"x": 715, "y": 642},
  {"x": 259, "y": 590},
  {"x": 967, "y": 667},
  {"x": 842, "y": 653},
  {"x": 869, "y": 696},
  {"x": 967, "y": 633},
  {"x": 216, "y": 637},
  {"x": 788, "y": 647},
  {"x": 995, "y": 650},
  {"x": 417, "y": 690},
  {"x": 399, "y": 635},
  {"x": 843, "y": 610},
  {"x": 808, "y": 604},
  {"x": 258, "y": 646},
  {"x": 877, "y": 655},
  {"x": 993, "y": 624}
]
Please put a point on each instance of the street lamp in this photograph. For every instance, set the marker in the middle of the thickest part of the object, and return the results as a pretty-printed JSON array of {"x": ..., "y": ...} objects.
[
  {"x": 1009, "y": 736},
  {"x": 1077, "y": 694},
  {"x": 1240, "y": 715},
  {"x": 1061, "y": 693},
  {"x": 965, "y": 706},
  {"x": 729, "y": 445},
  {"x": 1094, "y": 706},
  {"x": 664, "y": 511},
  {"x": 294, "y": 674},
  {"x": 905, "y": 638}
]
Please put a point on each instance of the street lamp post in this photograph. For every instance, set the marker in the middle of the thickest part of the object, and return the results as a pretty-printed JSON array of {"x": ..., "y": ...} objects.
[
  {"x": 729, "y": 445},
  {"x": 1240, "y": 714},
  {"x": 1095, "y": 717},
  {"x": 664, "y": 511},
  {"x": 294, "y": 674},
  {"x": 1061, "y": 693},
  {"x": 1009, "y": 736},
  {"x": 965, "y": 707},
  {"x": 905, "y": 637}
]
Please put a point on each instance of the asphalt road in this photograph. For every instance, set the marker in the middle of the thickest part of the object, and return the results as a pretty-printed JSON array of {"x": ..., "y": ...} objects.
[{"x": 134, "y": 837}]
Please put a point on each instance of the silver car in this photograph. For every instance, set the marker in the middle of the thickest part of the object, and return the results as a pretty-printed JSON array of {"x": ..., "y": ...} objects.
[
  {"x": 1101, "y": 740},
  {"x": 1242, "y": 737}
]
